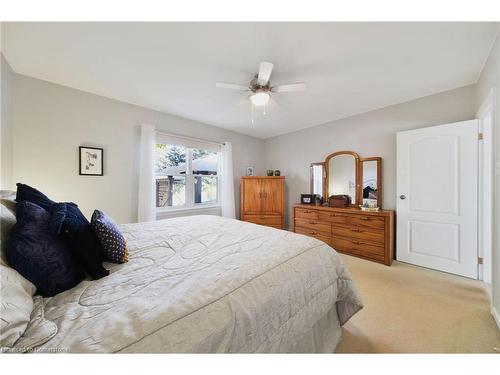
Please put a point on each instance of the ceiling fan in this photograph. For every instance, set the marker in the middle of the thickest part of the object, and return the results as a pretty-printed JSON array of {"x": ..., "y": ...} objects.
[{"x": 260, "y": 86}]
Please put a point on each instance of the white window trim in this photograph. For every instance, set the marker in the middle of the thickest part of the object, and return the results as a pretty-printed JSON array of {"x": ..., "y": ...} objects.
[{"x": 189, "y": 144}]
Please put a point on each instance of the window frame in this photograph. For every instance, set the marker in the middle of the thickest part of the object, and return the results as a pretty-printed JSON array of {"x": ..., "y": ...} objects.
[{"x": 189, "y": 145}]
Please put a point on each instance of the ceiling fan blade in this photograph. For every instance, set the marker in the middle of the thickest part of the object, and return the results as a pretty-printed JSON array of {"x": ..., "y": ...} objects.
[
  {"x": 292, "y": 87},
  {"x": 232, "y": 86},
  {"x": 265, "y": 70}
]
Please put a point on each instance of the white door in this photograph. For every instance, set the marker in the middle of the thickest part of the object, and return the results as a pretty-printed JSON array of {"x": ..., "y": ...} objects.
[{"x": 437, "y": 187}]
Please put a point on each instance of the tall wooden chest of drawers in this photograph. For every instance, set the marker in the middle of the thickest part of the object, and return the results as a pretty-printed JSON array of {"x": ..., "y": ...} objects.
[
  {"x": 365, "y": 234},
  {"x": 263, "y": 200}
]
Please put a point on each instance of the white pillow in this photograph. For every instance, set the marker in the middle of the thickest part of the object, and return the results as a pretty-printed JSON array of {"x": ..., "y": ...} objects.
[
  {"x": 10, "y": 204},
  {"x": 7, "y": 221},
  {"x": 16, "y": 305}
]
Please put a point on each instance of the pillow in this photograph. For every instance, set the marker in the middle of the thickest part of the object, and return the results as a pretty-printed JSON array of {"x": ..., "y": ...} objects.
[
  {"x": 69, "y": 221},
  {"x": 10, "y": 204},
  {"x": 112, "y": 241},
  {"x": 27, "y": 193},
  {"x": 16, "y": 307},
  {"x": 39, "y": 255},
  {"x": 76, "y": 230},
  {"x": 7, "y": 221}
]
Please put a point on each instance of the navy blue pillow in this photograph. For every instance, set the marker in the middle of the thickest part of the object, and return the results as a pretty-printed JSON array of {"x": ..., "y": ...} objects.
[
  {"x": 112, "y": 241},
  {"x": 74, "y": 228},
  {"x": 27, "y": 193},
  {"x": 68, "y": 220},
  {"x": 39, "y": 255}
]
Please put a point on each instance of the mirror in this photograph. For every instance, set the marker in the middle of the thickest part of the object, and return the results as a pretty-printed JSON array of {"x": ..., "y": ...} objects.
[
  {"x": 342, "y": 175},
  {"x": 371, "y": 186},
  {"x": 317, "y": 178}
]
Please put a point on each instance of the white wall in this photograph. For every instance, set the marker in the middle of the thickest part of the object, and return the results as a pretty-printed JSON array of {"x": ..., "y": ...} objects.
[
  {"x": 369, "y": 134},
  {"x": 51, "y": 121},
  {"x": 490, "y": 78},
  {"x": 6, "y": 135}
]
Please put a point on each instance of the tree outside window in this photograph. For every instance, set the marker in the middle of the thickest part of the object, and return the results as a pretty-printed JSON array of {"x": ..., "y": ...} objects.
[{"x": 185, "y": 176}]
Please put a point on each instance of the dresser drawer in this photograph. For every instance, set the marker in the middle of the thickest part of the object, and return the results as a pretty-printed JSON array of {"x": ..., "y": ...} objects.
[
  {"x": 358, "y": 247},
  {"x": 345, "y": 245},
  {"x": 367, "y": 221},
  {"x": 271, "y": 220},
  {"x": 304, "y": 213},
  {"x": 333, "y": 217},
  {"x": 314, "y": 225},
  {"x": 315, "y": 234},
  {"x": 358, "y": 232}
]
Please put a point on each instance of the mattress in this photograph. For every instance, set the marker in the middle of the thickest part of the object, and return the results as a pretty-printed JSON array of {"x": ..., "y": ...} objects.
[{"x": 204, "y": 284}]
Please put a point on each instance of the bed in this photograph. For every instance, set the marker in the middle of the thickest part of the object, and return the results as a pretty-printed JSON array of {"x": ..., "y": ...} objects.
[{"x": 203, "y": 284}]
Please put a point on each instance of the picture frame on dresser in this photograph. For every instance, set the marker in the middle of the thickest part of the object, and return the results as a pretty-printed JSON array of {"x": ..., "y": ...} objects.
[{"x": 306, "y": 198}]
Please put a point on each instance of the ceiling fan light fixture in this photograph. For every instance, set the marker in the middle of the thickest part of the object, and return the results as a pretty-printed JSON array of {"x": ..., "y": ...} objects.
[{"x": 260, "y": 98}]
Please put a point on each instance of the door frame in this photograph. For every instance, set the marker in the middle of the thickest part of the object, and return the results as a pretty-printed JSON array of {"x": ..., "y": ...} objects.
[{"x": 485, "y": 199}]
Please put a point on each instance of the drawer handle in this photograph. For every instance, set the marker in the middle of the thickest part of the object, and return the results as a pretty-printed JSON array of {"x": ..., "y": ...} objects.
[
  {"x": 333, "y": 214},
  {"x": 355, "y": 242},
  {"x": 355, "y": 229},
  {"x": 364, "y": 218},
  {"x": 313, "y": 222},
  {"x": 313, "y": 233}
]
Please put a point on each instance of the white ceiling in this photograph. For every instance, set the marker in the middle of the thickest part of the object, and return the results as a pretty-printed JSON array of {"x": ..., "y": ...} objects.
[{"x": 349, "y": 68}]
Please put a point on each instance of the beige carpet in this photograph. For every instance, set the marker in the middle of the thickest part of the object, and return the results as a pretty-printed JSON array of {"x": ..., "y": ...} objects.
[{"x": 410, "y": 309}]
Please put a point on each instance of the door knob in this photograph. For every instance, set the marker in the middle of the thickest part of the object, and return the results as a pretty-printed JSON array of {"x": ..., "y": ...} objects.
[{"x": 402, "y": 196}]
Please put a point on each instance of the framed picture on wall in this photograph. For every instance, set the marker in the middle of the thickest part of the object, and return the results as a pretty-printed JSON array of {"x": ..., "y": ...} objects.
[
  {"x": 91, "y": 161},
  {"x": 249, "y": 171}
]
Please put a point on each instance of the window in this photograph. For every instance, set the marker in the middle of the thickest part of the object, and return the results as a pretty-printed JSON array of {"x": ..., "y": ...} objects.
[{"x": 186, "y": 173}]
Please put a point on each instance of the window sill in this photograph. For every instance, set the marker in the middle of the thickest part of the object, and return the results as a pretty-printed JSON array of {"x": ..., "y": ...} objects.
[{"x": 164, "y": 213}]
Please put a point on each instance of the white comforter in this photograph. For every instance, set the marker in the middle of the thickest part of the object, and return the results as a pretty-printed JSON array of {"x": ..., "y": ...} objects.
[{"x": 208, "y": 284}]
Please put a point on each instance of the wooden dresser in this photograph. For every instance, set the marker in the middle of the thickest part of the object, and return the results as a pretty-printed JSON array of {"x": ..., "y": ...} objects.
[
  {"x": 368, "y": 235},
  {"x": 263, "y": 200}
]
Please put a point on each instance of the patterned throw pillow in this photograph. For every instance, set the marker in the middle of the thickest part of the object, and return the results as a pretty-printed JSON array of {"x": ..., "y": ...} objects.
[{"x": 112, "y": 241}]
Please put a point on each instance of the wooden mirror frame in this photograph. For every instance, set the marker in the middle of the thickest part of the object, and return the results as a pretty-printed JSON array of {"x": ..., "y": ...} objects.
[
  {"x": 379, "y": 178},
  {"x": 359, "y": 197},
  {"x": 311, "y": 178}
]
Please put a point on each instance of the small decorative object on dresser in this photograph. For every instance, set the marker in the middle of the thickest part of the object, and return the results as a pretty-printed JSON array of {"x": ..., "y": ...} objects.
[
  {"x": 270, "y": 172},
  {"x": 342, "y": 200},
  {"x": 91, "y": 161},
  {"x": 318, "y": 201},
  {"x": 277, "y": 173},
  {"x": 263, "y": 200},
  {"x": 249, "y": 171}
]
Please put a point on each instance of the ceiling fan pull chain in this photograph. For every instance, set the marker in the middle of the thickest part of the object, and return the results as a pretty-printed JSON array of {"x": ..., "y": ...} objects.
[{"x": 252, "y": 112}]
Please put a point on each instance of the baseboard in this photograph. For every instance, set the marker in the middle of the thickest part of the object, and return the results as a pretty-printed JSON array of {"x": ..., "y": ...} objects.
[
  {"x": 496, "y": 316},
  {"x": 487, "y": 288}
]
